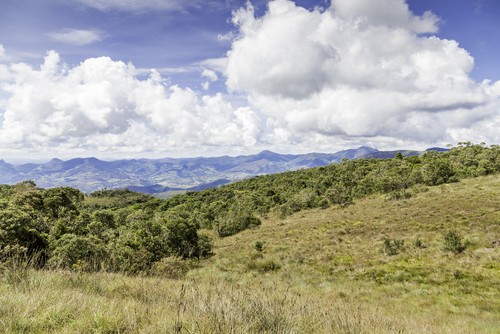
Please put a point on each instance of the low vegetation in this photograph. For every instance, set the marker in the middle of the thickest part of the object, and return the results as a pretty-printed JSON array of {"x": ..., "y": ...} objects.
[{"x": 389, "y": 246}]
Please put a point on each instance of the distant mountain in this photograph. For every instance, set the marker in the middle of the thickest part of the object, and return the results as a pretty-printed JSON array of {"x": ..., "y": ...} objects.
[{"x": 154, "y": 176}]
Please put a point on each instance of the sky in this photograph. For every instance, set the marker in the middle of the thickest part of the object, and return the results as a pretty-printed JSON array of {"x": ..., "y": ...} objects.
[{"x": 155, "y": 78}]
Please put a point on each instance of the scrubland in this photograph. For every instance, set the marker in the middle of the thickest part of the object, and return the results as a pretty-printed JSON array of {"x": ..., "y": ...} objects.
[{"x": 429, "y": 263}]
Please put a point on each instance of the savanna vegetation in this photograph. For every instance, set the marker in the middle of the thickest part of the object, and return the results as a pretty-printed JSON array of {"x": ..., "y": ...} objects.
[{"x": 396, "y": 245}]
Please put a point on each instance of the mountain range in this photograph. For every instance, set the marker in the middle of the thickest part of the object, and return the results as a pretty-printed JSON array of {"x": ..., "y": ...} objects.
[{"x": 170, "y": 175}]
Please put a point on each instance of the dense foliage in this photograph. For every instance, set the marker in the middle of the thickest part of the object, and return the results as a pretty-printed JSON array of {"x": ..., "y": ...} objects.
[{"x": 120, "y": 230}]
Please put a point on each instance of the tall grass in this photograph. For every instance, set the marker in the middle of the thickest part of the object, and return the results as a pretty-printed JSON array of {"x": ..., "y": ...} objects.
[{"x": 65, "y": 302}]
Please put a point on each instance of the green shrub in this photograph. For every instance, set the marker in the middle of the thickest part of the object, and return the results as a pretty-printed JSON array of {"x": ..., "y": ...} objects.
[
  {"x": 453, "y": 242},
  {"x": 231, "y": 224},
  {"x": 20, "y": 228},
  {"x": 393, "y": 247},
  {"x": 129, "y": 259},
  {"x": 263, "y": 266},
  {"x": 259, "y": 246},
  {"x": 205, "y": 246},
  {"x": 84, "y": 252},
  {"x": 339, "y": 194}
]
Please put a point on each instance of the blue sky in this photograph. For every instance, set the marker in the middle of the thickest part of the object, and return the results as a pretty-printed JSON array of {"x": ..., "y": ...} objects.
[{"x": 153, "y": 78}]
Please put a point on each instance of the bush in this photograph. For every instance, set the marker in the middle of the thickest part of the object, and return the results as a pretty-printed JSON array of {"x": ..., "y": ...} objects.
[
  {"x": 82, "y": 252},
  {"x": 453, "y": 242},
  {"x": 393, "y": 247},
  {"x": 263, "y": 266},
  {"x": 19, "y": 228},
  {"x": 232, "y": 224},
  {"x": 340, "y": 195},
  {"x": 205, "y": 246},
  {"x": 259, "y": 246}
]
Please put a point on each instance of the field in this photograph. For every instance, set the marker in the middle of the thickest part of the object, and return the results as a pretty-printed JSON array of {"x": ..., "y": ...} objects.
[{"x": 425, "y": 264}]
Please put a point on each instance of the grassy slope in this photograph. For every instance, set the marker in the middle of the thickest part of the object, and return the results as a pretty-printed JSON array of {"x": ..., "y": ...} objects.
[{"x": 333, "y": 277}]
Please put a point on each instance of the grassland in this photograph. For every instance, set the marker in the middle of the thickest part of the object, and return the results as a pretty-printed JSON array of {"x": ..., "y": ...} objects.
[{"x": 317, "y": 271}]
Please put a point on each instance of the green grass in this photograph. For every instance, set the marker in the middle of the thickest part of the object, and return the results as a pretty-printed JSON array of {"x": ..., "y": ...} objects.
[{"x": 318, "y": 271}]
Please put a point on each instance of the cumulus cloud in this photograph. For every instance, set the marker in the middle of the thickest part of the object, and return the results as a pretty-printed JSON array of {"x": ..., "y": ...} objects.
[
  {"x": 391, "y": 13},
  {"x": 102, "y": 105},
  {"x": 358, "y": 72},
  {"x": 77, "y": 36},
  {"x": 366, "y": 69}
]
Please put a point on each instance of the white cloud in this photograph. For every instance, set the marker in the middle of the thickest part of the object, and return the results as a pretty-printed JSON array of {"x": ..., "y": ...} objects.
[
  {"x": 138, "y": 5},
  {"x": 215, "y": 64},
  {"x": 391, "y": 13},
  {"x": 359, "y": 72},
  {"x": 227, "y": 37},
  {"x": 205, "y": 85},
  {"x": 209, "y": 74},
  {"x": 359, "y": 69},
  {"x": 77, "y": 36},
  {"x": 101, "y": 105}
]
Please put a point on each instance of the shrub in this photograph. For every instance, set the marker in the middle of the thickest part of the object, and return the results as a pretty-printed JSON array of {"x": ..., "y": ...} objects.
[
  {"x": 86, "y": 252},
  {"x": 453, "y": 242},
  {"x": 205, "y": 246},
  {"x": 180, "y": 237},
  {"x": 263, "y": 266},
  {"x": 339, "y": 194},
  {"x": 19, "y": 228},
  {"x": 259, "y": 246},
  {"x": 438, "y": 171},
  {"x": 233, "y": 223},
  {"x": 393, "y": 247}
]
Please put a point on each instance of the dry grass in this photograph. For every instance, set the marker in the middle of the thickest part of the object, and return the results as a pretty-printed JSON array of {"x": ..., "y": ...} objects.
[
  {"x": 52, "y": 302},
  {"x": 320, "y": 271}
]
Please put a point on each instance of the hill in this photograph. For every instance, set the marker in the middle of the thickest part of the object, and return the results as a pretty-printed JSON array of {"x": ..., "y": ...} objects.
[
  {"x": 382, "y": 255},
  {"x": 170, "y": 175},
  {"x": 317, "y": 271}
]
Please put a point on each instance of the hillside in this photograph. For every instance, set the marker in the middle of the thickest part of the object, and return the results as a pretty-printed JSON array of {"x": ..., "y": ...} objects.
[
  {"x": 124, "y": 231},
  {"x": 342, "y": 254},
  {"x": 316, "y": 271},
  {"x": 170, "y": 175}
]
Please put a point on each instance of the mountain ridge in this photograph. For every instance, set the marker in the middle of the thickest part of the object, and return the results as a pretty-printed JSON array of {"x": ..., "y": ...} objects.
[{"x": 174, "y": 174}]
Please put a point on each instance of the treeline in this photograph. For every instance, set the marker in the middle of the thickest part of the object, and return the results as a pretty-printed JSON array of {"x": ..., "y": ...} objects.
[{"x": 120, "y": 230}]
